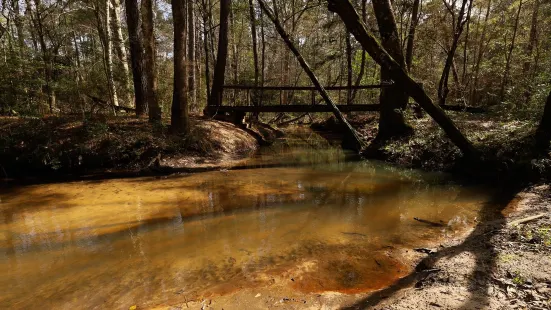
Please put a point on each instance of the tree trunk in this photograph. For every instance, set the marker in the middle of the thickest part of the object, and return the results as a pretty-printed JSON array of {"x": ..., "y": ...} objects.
[
  {"x": 254, "y": 41},
  {"x": 411, "y": 35},
  {"x": 136, "y": 56},
  {"x": 352, "y": 21},
  {"x": 262, "y": 55},
  {"x": 354, "y": 141},
  {"x": 443, "y": 89},
  {"x": 118, "y": 44},
  {"x": 362, "y": 62},
  {"x": 191, "y": 55},
  {"x": 179, "y": 117},
  {"x": 505, "y": 79},
  {"x": 206, "y": 36},
  {"x": 532, "y": 42},
  {"x": 466, "y": 43},
  {"x": 108, "y": 54},
  {"x": 46, "y": 57},
  {"x": 393, "y": 99},
  {"x": 481, "y": 48},
  {"x": 18, "y": 21},
  {"x": 149, "y": 61},
  {"x": 222, "y": 55},
  {"x": 543, "y": 133},
  {"x": 348, "y": 69},
  {"x": 234, "y": 55}
]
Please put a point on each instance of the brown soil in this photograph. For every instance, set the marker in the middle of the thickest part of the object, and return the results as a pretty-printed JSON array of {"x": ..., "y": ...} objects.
[{"x": 69, "y": 145}]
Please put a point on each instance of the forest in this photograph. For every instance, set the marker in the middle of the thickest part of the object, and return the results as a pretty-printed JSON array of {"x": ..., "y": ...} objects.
[
  {"x": 417, "y": 131},
  {"x": 172, "y": 60}
]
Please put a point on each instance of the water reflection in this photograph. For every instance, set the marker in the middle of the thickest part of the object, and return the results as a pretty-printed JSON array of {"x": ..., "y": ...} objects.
[{"x": 337, "y": 226}]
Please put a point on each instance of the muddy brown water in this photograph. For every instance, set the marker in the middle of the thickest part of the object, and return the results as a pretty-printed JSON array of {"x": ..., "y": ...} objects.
[{"x": 319, "y": 222}]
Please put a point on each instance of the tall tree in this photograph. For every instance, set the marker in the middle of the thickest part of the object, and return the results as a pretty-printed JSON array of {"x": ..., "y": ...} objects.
[
  {"x": 37, "y": 18},
  {"x": 480, "y": 52},
  {"x": 363, "y": 59},
  {"x": 149, "y": 61},
  {"x": 543, "y": 133},
  {"x": 120, "y": 50},
  {"x": 136, "y": 56},
  {"x": 393, "y": 99},
  {"x": 348, "y": 68},
  {"x": 353, "y": 23},
  {"x": 532, "y": 43},
  {"x": 105, "y": 34},
  {"x": 222, "y": 55},
  {"x": 191, "y": 54},
  {"x": 443, "y": 89},
  {"x": 508, "y": 57},
  {"x": 179, "y": 116},
  {"x": 252, "y": 16},
  {"x": 411, "y": 34},
  {"x": 206, "y": 37}
]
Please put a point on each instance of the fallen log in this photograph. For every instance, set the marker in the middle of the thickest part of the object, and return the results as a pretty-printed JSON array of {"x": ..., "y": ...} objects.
[
  {"x": 105, "y": 104},
  {"x": 462, "y": 108},
  {"x": 527, "y": 219},
  {"x": 429, "y": 222}
]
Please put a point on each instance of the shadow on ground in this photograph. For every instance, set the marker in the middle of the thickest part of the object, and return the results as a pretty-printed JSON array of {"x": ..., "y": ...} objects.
[{"x": 478, "y": 243}]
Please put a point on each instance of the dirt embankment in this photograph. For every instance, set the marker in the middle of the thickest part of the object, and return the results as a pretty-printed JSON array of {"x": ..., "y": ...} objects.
[{"x": 62, "y": 146}]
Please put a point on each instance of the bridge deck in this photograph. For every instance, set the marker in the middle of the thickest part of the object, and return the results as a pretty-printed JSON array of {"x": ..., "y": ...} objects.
[{"x": 293, "y": 108}]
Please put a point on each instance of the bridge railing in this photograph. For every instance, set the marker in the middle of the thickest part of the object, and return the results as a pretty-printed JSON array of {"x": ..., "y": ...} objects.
[{"x": 249, "y": 95}]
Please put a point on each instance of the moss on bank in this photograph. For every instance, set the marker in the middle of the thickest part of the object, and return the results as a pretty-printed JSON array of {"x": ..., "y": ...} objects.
[{"x": 70, "y": 145}]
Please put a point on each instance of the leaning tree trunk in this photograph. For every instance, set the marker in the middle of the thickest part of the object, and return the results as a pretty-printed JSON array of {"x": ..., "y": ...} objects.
[
  {"x": 179, "y": 117},
  {"x": 393, "y": 99},
  {"x": 352, "y": 21},
  {"x": 149, "y": 63},
  {"x": 136, "y": 56},
  {"x": 543, "y": 133},
  {"x": 354, "y": 141},
  {"x": 222, "y": 55}
]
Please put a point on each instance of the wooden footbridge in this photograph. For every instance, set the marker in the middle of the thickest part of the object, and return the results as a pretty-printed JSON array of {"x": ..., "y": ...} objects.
[
  {"x": 239, "y": 111},
  {"x": 236, "y": 113}
]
